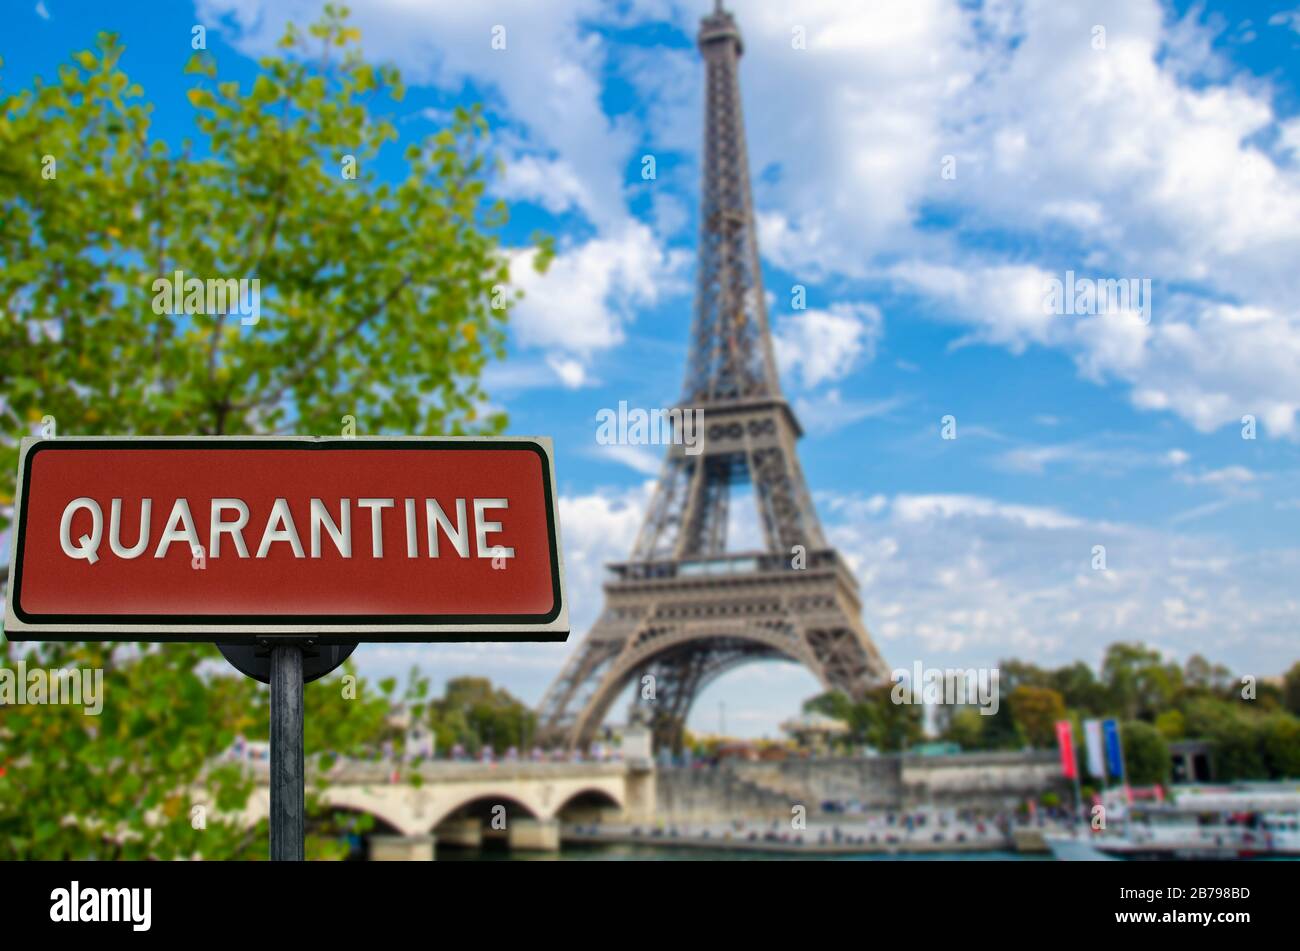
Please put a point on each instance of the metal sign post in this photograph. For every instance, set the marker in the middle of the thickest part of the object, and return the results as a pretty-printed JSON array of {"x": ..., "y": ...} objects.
[{"x": 288, "y": 780}]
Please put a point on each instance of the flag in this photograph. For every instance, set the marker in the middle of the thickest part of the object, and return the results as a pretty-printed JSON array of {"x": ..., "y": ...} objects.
[
  {"x": 1114, "y": 752},
  {"x": 1096, "y": 749},
  {"x": 1065, "y": 742}
]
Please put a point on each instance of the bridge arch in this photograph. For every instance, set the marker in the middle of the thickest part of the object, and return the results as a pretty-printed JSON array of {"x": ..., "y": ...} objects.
[
  {"x": 479, "y": 804},
  {"x": 588, "y": 804},
  {"x": 363, "y": 800}
]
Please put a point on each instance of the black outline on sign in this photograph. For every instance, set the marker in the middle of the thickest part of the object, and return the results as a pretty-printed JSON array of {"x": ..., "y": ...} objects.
[{"x": 302, "y": 625}]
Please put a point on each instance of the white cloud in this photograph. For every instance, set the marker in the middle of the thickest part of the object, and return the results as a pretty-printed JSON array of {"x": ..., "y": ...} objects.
[
  {"x": 1227, "y": 476},
  {"x": 1210, "y": 363},
  {"x": 852, "y": 124},
  {"x": 1005, "y": 304},
  {"x": 820, "y": 346},
  {"x": 1093, "y": 456},
  {"x": 596, "y": 528},
  {"x": 589, "y": 293},
  {"x": 917, "y": 508},
  {"x": 547, "y": 78},
  {"x": 1289, "y": 18},
  {"x": 974, "y": 579},
  {"x": 638, "y": 458},
  {"x": 552, "y": 183},
  {"x": 518, "y": 374},
  {"x": 570, "y": 372},
  {"x": 830, "y": 411}
]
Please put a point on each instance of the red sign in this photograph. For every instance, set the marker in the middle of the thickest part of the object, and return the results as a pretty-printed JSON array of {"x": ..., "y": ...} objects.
[{"x": 228, "y": 539}]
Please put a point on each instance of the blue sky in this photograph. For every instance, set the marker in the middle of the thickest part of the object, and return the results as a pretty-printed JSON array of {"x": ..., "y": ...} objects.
[{"x": 1169, "y": 152}]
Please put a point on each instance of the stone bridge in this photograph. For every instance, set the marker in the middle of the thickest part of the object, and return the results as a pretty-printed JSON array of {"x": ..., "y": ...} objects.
[{"x": 463, "y": 803}]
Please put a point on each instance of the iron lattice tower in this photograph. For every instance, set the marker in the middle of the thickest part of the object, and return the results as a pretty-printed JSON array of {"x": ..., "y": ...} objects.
[{"x": 683, "y": 609}]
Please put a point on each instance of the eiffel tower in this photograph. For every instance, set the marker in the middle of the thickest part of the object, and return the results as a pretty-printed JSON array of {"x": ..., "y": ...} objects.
[{"x": 683, "y": 610}]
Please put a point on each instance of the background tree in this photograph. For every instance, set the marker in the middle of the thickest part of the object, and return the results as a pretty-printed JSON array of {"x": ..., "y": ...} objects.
[
  {"x": 1035, "y": 711},
  {"x": 1171, "y": 725},
  {"x": 1282, "y": 746},
  {"x": 836, "y": 705},
  {"x": 966, "y": 728},
  {"x": 1207, "y": 678},
  {"x": 1137, "y": 681},
  {"x": 1291, "y": 689},
  {"x": 378, "y": 301},
  {"x": 381, "y": 301},
  {"x": 886, "y": 725},
  {"x": 474, "y": 714},
  {"x": 125, "y": 783},
  {"x": 1079, "y": 688},
  {"x": 877, "y": 720},
  {"x": 1146, "y": 754},
  {"x": 1237, "y": 746},
  {"x": 1017, "y": 673}
]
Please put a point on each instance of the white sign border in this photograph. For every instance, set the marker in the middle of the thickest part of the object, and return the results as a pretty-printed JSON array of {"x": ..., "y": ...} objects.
[{"x": 322, "y": 631}]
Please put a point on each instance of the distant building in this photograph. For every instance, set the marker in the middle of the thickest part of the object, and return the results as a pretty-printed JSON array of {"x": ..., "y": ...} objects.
[
  {"x": 1191, "y": 761},
  {"x": 738, "y": 749},
  {"x": 815, "y": 731}
]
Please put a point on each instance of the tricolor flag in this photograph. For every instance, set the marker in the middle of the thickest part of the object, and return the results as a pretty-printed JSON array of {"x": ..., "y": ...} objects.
[
  {"x": 1096, "y": 748},
  {"x": 1065, "y": 743}
]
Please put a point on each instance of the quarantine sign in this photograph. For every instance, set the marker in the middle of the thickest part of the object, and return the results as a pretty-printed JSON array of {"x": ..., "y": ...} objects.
[{"x": 233, "y": 539}]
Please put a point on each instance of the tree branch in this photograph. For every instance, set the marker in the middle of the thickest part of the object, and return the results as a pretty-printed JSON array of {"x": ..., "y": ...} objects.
[{"x": 316, "y": 359}]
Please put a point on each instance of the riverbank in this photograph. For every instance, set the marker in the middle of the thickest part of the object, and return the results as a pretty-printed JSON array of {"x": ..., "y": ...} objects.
[{"x": 819, "y": 838}]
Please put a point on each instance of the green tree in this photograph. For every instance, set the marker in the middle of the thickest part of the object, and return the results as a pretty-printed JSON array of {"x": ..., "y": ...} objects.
[
  {"x": 1204, "y": 717},
  {"x": 966, "y": 729},
  {"x": 1291, "y": 689},
  {"x": 125, "y": 783},
  {"x": 876, "y": 720},
  {"x": 133, "y": 781},
  {"x": 1282, "y": 746},
  {"x": 1079, "y": 688},
  {"x": 380, "y": 301},
  {"x": 1001, "y": 732},
  {"x": 1146, "y": 754},
  {"x": 1139, "y": 684},
  {"x": 1035, "y": 711},
  {"x": 474, "y": 714},
  {"x": 1202, "y": 676},
  {"x": 1017, "y": 673},
  {"x": 1237, "y": 745},
  {"x": 1171, "y": 725},
  {"x": 836, "y": 705}
]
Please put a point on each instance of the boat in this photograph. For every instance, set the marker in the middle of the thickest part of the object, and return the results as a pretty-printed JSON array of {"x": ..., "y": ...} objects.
[{"x": 1209, "y": 823}]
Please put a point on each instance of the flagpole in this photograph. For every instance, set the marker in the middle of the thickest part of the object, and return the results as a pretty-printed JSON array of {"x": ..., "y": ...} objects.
[{"x": 1078, "y": 789}]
